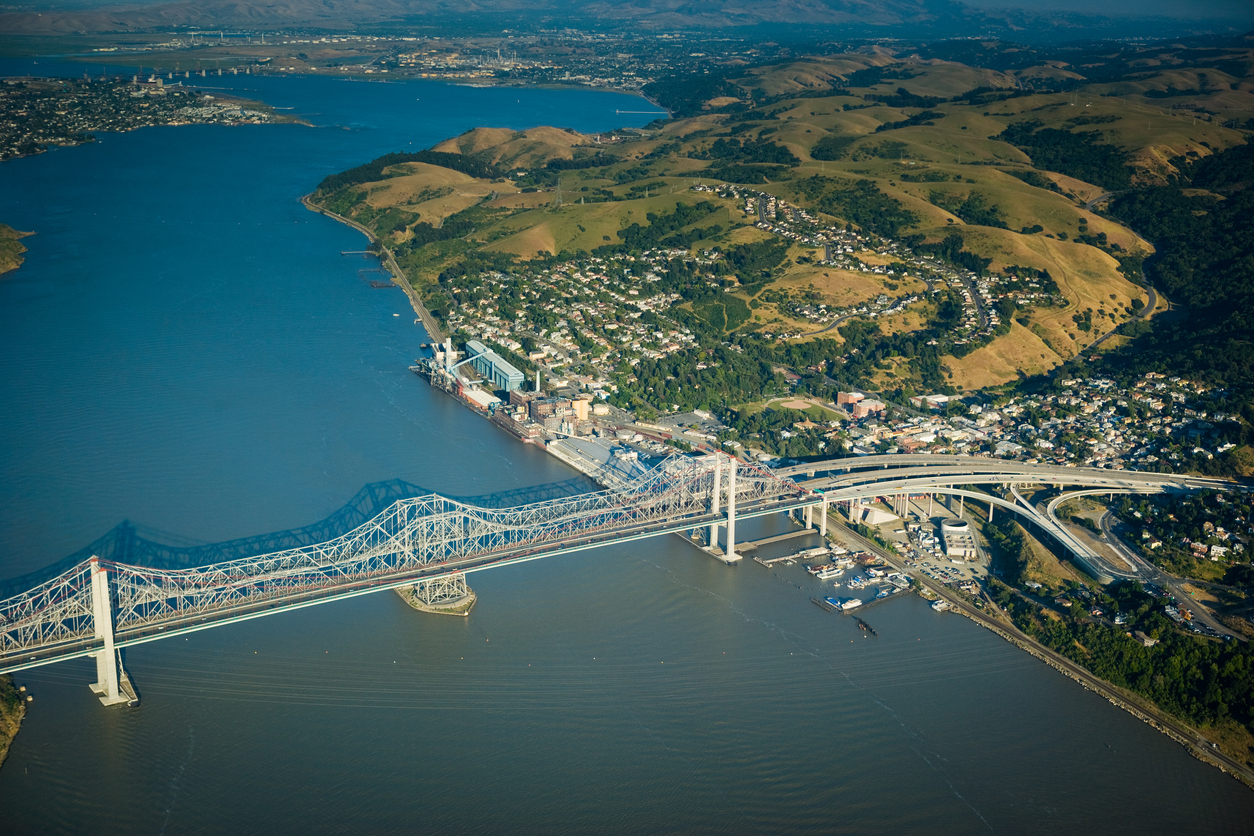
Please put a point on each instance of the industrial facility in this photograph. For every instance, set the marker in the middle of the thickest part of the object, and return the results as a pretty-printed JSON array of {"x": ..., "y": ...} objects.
[
  {"x": 494, "y": 368},
  {"x": 959, "y": 541}
]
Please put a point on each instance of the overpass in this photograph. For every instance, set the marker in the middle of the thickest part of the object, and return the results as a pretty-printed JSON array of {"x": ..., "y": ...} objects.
[
  {"x": 858, "y": 478},
  {"x": 852, "y": 466}
]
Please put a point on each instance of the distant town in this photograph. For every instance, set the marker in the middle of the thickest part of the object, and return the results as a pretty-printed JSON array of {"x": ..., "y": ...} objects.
[
  {"x": 616, "y": 60},
  {"x": 38, "y": 113}
]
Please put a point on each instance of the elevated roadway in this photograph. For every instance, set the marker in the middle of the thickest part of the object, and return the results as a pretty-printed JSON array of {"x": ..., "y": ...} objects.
[
  {"x": 864, "y": 477},
  {"x": 99, "y": 606},
  {"x": 1041, "y": 473}
]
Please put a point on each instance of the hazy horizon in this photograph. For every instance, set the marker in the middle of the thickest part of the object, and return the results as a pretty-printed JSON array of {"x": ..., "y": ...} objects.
[{"x": 1239, "y": 12}]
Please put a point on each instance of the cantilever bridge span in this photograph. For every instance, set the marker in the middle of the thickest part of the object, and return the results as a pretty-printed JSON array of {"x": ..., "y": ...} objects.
[{"x": 98, "y": 606}]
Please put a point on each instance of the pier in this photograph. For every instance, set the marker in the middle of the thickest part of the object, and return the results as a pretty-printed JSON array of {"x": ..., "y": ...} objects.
[{"x": 750, "y": 545}]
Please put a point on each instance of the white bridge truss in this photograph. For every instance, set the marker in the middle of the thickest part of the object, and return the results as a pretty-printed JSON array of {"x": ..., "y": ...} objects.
[
  {"x": 429, "y": 542},
  {"x": 412, "y": 541},
  {"x": 442, "y": 590}
]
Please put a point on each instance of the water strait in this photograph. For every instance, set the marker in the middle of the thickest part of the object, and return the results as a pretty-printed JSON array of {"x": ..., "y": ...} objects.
[{"x": 186, "y": 347}]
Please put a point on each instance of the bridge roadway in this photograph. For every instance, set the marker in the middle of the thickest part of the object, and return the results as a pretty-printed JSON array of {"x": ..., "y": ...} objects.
[
  {"x": 181, "y": 625},
  {"x": 1040, "y": 473},
  {"x": 97, "y": 605},
  {"x": 412, "y": 541}
]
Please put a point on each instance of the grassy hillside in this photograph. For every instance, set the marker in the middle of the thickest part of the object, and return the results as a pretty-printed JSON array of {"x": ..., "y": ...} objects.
[
  {"x": 1018, "y": 157},
  {"x": 11, "y": 248}
]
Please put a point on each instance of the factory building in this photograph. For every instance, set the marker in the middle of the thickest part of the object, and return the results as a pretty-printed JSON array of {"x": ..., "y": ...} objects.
[{"x": 495, "y": 370}]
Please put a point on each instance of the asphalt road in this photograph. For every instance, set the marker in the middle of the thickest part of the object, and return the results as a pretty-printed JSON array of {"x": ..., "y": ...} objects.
[
  {"x": 1149, "y": 573},
  {"x": 1141, "y": 314},
  {"x": 1089, "y": 206}
]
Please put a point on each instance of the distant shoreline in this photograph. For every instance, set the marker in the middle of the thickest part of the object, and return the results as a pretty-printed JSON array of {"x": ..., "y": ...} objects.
[{"x": 11, "y": 248}]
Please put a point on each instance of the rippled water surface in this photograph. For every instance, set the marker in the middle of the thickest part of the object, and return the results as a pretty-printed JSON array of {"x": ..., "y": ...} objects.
[{"x": 186, "y": 347}]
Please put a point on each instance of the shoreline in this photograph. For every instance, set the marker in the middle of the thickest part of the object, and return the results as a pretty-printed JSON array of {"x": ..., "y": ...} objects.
[
  {"x": 11, "y": 248},
  {"x": 428, "y": 321},
  {"x": 219, "y": 97},
  {"x": 1193, "y": 741},
  {"x": 12, "y": 712}
]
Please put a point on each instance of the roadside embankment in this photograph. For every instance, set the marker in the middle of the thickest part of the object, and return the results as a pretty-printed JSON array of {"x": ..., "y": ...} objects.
[{"x": 389, "y": 261}]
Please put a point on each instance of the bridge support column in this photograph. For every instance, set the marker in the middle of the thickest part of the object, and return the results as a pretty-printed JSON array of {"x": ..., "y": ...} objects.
[
  {"x": 449, "y": 595},
  {"x": 823, "y": 519},
  {"x": 809, "y": 516},
  {"x": 990, "y": 511},
  {"x": 961, "y": 506},
  {"x": 929, "y": 506},
  {"x": 718, "y": 485},
  {"x": 107, "y": 683},
  {"x": 730, "y": 556}
]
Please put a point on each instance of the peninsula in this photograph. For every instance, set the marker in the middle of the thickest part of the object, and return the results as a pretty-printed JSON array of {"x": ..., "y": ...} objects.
[
  {"x": 38, "y": 113},
  {"x": 879, "y": 254},
  {"x": 11, "y": 248}
]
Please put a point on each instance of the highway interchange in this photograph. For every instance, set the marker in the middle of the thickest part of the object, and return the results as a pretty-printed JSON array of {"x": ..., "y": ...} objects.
[{"x": 858, "y": 478}]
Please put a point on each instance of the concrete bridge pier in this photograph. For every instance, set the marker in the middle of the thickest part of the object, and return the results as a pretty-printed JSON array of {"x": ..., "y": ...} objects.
[
  {"x": 809, "y": 516},
  {"x": 111, "y": 682},
  {"x": 730, "y": 555},
  {"x": 449, "y": 595},
  {"x": 823, "y": 519},
  {"x": 718, "y": 488}
]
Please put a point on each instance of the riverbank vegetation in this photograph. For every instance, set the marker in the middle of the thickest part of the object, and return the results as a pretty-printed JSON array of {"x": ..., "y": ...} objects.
[{"x": 1124, "y": 636}]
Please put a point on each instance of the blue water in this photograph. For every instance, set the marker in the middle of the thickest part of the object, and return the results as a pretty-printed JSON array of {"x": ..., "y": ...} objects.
[
  {"x": 186, "y": 347},
  {"x": 179, "y": 307}
]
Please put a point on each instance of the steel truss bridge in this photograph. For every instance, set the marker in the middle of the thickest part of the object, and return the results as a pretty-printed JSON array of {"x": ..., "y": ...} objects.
[
  {"x": 99, "y": 606},
  {"x": 96, "y": 606}
]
